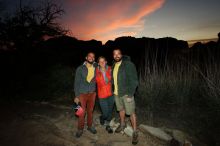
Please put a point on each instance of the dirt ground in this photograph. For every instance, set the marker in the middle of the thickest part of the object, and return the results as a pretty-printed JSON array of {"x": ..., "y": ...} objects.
[{"x": 46, "y": 124}]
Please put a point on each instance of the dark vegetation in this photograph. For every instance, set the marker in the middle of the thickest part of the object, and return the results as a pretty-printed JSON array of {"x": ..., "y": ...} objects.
[{"x": 179, "y": 86}]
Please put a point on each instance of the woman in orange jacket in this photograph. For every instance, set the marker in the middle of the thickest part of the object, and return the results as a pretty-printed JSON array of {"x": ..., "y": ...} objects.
[{"x": 104, "y": 86}]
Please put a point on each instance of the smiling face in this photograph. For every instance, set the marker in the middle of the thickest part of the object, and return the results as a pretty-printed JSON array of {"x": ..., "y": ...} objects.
[
  {"x": 117, "y": 55},
  {"x": 90, "y": 58},
  {"x": 102, "y": 62}
]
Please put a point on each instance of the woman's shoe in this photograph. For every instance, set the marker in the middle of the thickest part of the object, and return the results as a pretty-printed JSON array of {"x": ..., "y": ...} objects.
[
  {"x": 102, "y": 122},
  {"x": 109, "y": 129}
]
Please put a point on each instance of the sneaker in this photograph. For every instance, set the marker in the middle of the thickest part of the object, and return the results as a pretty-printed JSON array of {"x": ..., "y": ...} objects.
[
  {"x": 109, "y": 129},
  {"x": 79, "y": 133},
  {"x": 120, "y": 128},
  {"x": 135, "y": 138},
  {"x": 92, "y": 130},
  {"x": 102, "y": 121}
]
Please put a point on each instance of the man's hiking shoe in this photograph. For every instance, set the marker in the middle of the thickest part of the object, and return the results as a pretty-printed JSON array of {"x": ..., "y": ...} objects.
[
  {"x": 109, "y": 129},
  {"x": 102, "y": 121},
  {"x": 120, "y": 128},
  {"x": 92, "y": 130},
  {"x": 135, "y": 138},
  {"x": 79, "y": 133}
]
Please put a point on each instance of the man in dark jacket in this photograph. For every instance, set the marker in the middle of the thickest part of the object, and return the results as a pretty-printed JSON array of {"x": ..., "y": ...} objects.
[
  {"x": 125, "y": 82},
  {"x": 85, "y": 92}
]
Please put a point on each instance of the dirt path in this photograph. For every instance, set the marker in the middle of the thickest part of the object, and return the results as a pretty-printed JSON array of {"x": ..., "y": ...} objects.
[{"x": 45, "y": 124}]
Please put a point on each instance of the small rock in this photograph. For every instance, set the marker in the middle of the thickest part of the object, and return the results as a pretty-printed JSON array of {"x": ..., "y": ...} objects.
[
  {"x": 156, "y": 132},
  {"x": 112, "y": 122},
  {"x": 179, "y": 136},
  {"x": 128, "y": 131}
]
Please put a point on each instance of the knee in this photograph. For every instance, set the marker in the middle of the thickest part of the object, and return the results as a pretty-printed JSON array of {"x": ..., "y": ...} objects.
[
  {"x": 133, "y": 115},
  {"x": 122, "y": 110}
]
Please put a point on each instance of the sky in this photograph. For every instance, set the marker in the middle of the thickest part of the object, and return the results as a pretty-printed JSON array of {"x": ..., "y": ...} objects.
[{"x": 108, "y": 19}]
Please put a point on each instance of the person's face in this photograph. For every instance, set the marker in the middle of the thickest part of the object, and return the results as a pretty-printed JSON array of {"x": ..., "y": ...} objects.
[
  {"x": 90, "y": 58},
  {"x": 102, "y": 62},
  {"x": 117, "y": 55}
]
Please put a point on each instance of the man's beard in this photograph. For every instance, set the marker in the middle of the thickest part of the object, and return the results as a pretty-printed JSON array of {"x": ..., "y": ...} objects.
[
  {"x": 90, "y": 62},
  {"x": 118, "y": 59}
]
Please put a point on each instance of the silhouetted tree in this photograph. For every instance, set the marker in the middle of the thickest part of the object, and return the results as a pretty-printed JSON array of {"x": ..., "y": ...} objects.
[{"x": 30, "y": 24}]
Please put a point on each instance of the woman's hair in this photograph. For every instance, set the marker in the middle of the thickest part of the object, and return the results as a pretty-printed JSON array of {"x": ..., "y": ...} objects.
[{"x": 101, "y": 57}]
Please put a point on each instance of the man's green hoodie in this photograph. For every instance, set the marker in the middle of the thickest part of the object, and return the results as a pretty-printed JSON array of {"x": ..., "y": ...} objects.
[{"x": 127, "y": 77}]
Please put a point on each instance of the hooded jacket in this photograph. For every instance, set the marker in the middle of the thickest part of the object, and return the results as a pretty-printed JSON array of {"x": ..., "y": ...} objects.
[
  {"x": 127, "y": 77},
  {"x": 81, "y": 85},
  {"x": 104, "y": 87}
]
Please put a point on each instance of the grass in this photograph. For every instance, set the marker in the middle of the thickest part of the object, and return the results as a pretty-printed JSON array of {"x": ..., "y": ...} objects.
[
  {"x": 182, "y": 95},
  {"x": 54, "y": 83}
]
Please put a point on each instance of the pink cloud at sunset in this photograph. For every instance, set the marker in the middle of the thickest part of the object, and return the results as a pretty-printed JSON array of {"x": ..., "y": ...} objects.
[{"x": 104, "y": 20}]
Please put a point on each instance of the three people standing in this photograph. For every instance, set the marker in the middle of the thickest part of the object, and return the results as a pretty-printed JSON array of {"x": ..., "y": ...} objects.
[{"x": 122, "y": 77}]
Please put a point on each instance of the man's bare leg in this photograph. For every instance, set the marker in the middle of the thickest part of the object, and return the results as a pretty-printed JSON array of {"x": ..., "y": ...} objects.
[
  {"x": 134, "y": 126},
  {"x": 121, "y": 127},
  {"x": 122, "y": 116},
  {"x": 133, "y": 121}
]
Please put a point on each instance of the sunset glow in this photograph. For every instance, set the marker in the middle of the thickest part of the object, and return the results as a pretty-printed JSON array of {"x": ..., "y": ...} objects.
[
  {"x": 108, "y": 19},
  {"x": 112, "y": 20}
]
